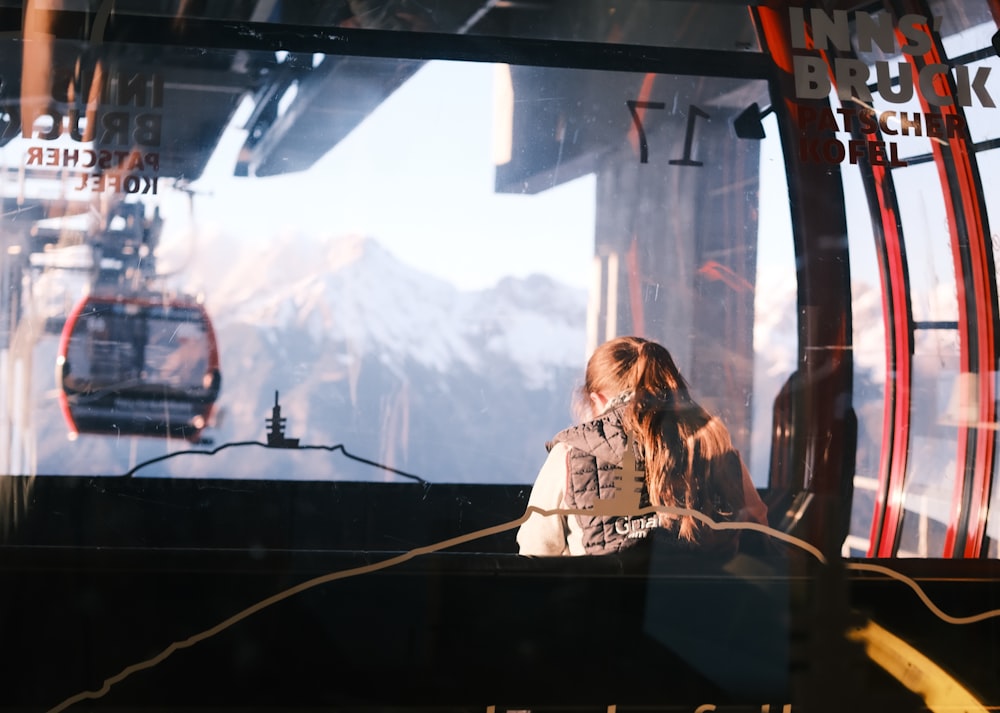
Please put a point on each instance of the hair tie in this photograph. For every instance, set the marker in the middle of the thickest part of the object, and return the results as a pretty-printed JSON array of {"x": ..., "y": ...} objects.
[{"x": 619, "y": 400}]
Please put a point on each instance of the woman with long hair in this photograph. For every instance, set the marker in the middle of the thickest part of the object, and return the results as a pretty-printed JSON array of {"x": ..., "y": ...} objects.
[{"x": 646, "y": 443}]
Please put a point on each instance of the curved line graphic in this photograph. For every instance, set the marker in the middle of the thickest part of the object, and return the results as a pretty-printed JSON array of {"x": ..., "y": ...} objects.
[
  {"x": 496, "y": 529},
  {"x": 101, "y": 21}
]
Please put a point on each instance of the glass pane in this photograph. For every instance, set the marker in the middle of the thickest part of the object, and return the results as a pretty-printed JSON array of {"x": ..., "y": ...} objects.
[
  {"x": 933, "y": 294},
  {"x": 293, "y": 294},
  {"x": 965, "y": 25},
  {"x": 931, "y": 464},
  {"x": 931, "y": 469},
  {"x": 982, "y": 119},
  {"x": 989, "y": 170},
  {"x": 775, "y": 336},
  {"x": 369, "y": 240}
]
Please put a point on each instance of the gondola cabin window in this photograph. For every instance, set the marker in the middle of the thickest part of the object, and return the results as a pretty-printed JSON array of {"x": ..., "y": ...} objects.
[
  {"x": 412, "y": 253},
  {"x": 293, "y": 295}
]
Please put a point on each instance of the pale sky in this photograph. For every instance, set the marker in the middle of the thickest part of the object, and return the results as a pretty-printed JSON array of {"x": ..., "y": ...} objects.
[{"x": 417, "y": 175}]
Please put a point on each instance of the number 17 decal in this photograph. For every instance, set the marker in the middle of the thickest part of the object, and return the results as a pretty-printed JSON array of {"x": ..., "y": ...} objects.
[
  {"x": 693, "y": 114},
  {"x": 637, "y": 120}
]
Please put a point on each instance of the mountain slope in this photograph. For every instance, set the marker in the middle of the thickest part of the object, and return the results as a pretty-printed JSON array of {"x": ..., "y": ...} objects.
[{"x": 398, "y": 366}]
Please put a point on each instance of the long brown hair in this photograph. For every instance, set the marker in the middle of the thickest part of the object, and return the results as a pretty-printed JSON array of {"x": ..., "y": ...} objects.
[{"x": 688, "y": 454}]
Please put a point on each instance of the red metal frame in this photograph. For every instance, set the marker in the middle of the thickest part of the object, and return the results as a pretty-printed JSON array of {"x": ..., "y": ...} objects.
[
  {"x": 824, "y": 442},
  {"x": 899, "y": 373},
  {"x": 977, "y": 312},
  {"x": 971, "y": 248}
]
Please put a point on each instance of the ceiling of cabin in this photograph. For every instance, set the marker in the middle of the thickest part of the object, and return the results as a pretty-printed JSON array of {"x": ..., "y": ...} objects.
[{"x": 202, "y": 89}]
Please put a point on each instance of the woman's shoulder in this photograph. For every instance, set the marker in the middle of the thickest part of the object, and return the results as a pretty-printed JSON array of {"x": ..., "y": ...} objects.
[{"x": 559, "y": 448}]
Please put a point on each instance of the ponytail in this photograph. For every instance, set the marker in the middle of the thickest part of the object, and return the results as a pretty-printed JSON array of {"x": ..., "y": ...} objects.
[{"x": 687, "y": 452}]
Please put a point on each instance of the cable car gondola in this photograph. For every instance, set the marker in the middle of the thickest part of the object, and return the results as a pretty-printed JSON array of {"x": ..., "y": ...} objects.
[{"x": 144, "y": 366}]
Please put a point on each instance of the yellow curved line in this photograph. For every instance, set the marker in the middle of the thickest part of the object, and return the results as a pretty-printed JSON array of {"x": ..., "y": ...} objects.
[
  {"x": 940, "y": 691},
  {"x": 496, "y": 529}
]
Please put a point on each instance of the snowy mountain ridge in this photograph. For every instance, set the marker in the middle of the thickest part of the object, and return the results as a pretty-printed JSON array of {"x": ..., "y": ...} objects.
[
  {"x": 352, "y": 293},
  {"x": 405, "y": 368}
]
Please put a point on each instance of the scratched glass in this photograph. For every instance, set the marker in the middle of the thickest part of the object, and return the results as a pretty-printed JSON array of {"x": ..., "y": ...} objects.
[
  {"x": 426, "y": 235},
  {"x": 292, "y": 296}
]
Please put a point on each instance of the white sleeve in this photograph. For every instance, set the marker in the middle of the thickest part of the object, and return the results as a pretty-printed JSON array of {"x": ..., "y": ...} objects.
[{"x": 541, "y": 534}]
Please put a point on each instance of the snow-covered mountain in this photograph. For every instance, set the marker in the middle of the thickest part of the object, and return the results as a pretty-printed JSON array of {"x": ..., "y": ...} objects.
[
  {"x": 403, "y": 368},
  {"x": 398, "y": 366},
  {"x": 351, "y": 291}
]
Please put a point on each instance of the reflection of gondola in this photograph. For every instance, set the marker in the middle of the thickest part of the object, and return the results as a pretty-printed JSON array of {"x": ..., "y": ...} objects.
[{"x": 138, "y": 365}]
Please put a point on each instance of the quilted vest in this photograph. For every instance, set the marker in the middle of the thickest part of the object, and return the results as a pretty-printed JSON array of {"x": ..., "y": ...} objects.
[
  {"x": 600, "y": 468},
  {"x": 596, "y": 473}
]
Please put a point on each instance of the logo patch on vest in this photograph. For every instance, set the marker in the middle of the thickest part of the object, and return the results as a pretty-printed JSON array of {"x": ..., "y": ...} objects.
[{"x": 636, "y": 527}]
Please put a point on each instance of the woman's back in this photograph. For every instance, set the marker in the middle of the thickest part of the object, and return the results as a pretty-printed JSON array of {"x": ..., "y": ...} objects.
[{"x": 649, "y": 461}]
